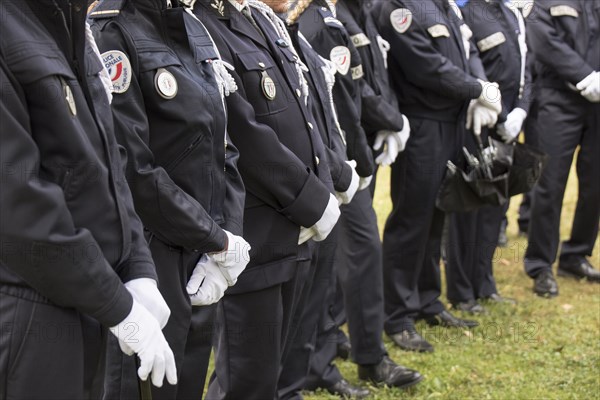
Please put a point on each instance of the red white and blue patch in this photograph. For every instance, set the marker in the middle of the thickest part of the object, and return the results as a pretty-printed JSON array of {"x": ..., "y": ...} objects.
[
  {"x": 340, "y": 56},
  {"x": 119, "y": 69},
  {"x": 401, "y": 19}
]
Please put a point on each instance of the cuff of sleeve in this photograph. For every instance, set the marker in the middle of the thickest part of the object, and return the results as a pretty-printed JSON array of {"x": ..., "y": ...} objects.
[
  {"x": 582, "y": 73},
  {"x": 117, "y": 309},
  {"x": 137, "y": 268},
  {"x": 342, "y": 183},
  {"x": 309, "y": 204},
  {"x": 216, "y": 240}
]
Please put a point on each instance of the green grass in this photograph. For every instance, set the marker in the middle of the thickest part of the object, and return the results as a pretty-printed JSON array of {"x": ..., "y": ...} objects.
[{"x": 538, "y": 349}]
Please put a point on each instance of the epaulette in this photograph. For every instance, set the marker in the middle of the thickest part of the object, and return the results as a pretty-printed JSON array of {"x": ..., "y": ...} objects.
[{"x": 106, "y": 9}]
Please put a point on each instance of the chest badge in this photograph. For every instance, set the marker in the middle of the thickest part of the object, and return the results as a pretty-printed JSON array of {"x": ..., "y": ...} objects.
[
  {"x": 268, "y": 86},
  {"x": 166, "y": 84},
  {"x": 69, "y": 99}
]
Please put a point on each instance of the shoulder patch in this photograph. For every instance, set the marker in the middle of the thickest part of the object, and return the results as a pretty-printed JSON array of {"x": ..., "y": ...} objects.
[
  {"x": 357, "y": 72},
  {"x": 119, "y": 70},
  {"x": 438, "y": 30},
  {"x": 401, "y": 19},
  {"x": 564, "y": 11},
  {"x": 360, "y": 40},
  {"x": 340, "y": 56},
  {"x": 491, "y": 41}
]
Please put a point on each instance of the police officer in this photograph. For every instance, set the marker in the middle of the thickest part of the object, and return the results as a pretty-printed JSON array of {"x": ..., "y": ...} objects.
[
  {"x": 435, "y": 84},
  {"x": 498, "y": 31},
  {"x": 565, "y": 36},
  {"x": 320, "y": 76},
  {"x": 170, "y": 116},
  {"x": 289, "y": 197},
  {"x": 74, "y": 260}
]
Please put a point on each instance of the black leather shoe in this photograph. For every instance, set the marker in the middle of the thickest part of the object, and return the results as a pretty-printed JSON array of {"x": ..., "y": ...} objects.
[
  {"x": 410, "y": 340},
  {"x": 545, "y": 285},
  {"x": 345, "y": 390},
  {"x": 389, "y": 373},
  {"x": 471, "y": 307},
  {"x": 450, "y": 321},
  {"x": 578, "y": 268},
  {"x": 343, "y": 350},
  {"x": 496, "y": 298}
]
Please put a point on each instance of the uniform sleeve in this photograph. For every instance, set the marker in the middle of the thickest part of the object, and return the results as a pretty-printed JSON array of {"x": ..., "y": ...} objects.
[
  {"x": 341, "y": 172},
  {"x": 139, "y": 264},
  {"x": 235, "y": 192},
  {"x": 377, "y": 113},
  {"x": 40, "y": 242},
  {"x": 427, "y": 68},
  {"x": 551, "y": 49},
  {"x": 346, "y": 91},
  {"x": 165, "y": 209}
]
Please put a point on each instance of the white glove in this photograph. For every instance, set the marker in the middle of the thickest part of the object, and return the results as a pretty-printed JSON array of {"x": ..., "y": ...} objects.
[
  {"x": 395, "y": 143},
  {"x": 140, "y": 333},
  {"x": 145, "y": 292},
  {"x": 590, "y": 87},
  {"x": 347, "y": 196},
  {"x": 207, "y": 284},
  {"x": 319, "y": 231},
  {"x": 490, "y": 96},
  {"x": 510, "y": 129},
  {"x": 479, "y": 116},
  {"x": 364, "y": 182},
  {"x": 234, "y": 259}
]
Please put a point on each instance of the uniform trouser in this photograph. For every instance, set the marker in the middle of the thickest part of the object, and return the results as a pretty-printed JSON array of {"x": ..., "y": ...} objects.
[
  {"x": 296, "y": 362},
  {"x": 359, "y": 272},
  {"x": 252, "y": 336},
  {"x": 566, "y": 121},
  {"x": 531, "y": 138},
  {"x": 46, "y": 351},
  {"x": 412, "y": 236},
  {"x": 189, "y": 337},
  {"x": 471, "y": 245}
]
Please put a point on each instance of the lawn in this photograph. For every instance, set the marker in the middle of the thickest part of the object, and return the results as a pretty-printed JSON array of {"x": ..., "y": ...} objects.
[{"x": 539, "y": 349}]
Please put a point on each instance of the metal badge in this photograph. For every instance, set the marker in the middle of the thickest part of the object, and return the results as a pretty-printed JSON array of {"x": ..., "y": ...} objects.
[
  {"x": 166, "y": 84},
  {"x": 268, "y": 86},
  {"x": 70, "y": 99}
]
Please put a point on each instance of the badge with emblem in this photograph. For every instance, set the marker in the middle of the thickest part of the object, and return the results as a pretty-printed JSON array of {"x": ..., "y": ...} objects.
[
  {"x": 69, "y": 99},
  {"x": 340, "y": 56},
  {"x": 166, "y": 84},
  {"x": 401, "y": 19},
  {"x": 268, "y": 86},
  {"x": 119, "y": 69}
]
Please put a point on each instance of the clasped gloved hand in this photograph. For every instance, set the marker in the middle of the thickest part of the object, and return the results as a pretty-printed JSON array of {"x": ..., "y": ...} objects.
[
  {"x": 141, "y": 334},
  {"x": 347, "y": 196},
  {"x": 145, "y": 291},
  {"x": 207, "y": 284},
  {"x": 234, "y": 258},
  {"x": 319, "y": 231},
  {"x": 395, "y": 143},
  {"x": 364, "y": 182},
  {"x": 511, "y": 128},
  {"x": 479, "y": 116},
  {"x": 490, "y": 96},
  {"x": 589, "y": 87}
]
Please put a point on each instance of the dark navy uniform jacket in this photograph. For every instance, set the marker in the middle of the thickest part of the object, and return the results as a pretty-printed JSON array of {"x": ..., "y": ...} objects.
[
  {"x": 328, "y": 37},
  {"x": 68, "y": 228},
  {"x": 495, "y": 34},
  {"x": 323, "y": 112},
  {"x": 564, "y": 36},
  {"x": 428, "y": 66},
  {"x": 182, "y": 169},
  {"x": 280, "y": 148},
  {"x": 379, "y": 104}
]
